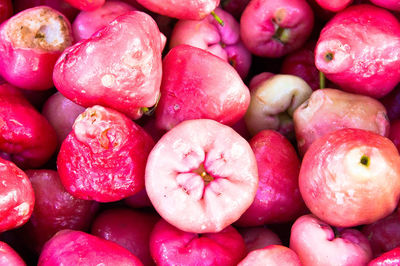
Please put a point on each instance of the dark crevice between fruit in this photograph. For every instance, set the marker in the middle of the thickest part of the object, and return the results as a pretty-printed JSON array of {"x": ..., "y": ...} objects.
[{"x": 365, "y": 160}]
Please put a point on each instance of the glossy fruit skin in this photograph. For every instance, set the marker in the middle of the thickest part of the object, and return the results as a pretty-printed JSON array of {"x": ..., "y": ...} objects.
[
  {"x": 258, "y": 237},
  {"x": 334, "y": 5},
  {"x": 86, "y": 5},
  {"x": 358, "y": 48},
  {"x": 199, "y": 85},
  {"x": 88, "y": 22},
  {"x": 347, "y": 172},
  {"x": 273, "y": 255},
  {"x": 26, "y": 137},
  {"x": 178, "y": 165},
  {"x": 6, "y": 10},
  {"x": 129, "y": 228},
  {"x": 171, "y": 246},
  {"x": 390, "y": 258},
  {"x": 388, "y": 4},
  {"x": 104, "y": 157},
  {"x": 261, "y": 18},
  {"x": 26, "y": 66},
  {"x": 183, "y": 9},
  {"x": 55, "y": 209},
  {"x": 103, "y": 65},
  {"x": 278, "y": 197},
  {"x": 9, "y": 256},
  {"x": 70, "y": 247},
  {"x": 17, "y": 209}
]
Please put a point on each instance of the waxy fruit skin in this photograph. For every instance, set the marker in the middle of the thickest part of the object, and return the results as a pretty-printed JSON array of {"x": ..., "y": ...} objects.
[
  {"x": 17, "y": 196},
  {"x": 351, "y": 177},
  {"x": 104, "y": 156},
  {"x": 199, "y": 85},
  {"x": 171, "y": 246},
  {"x": 201, "y": 176},
  {"x": 9, "y": 256},
  {"x": 390, "y": 258},
  {"x": 334, "y": 5},
  {"x": 181, "y": 9},
  {"x": 273, "y": 255},
  {"x": 71, "y": 247},
  {"x": 359, "y": 49},
  {"x": 122, "y": 59},
  {"x": 30, "y": 44},
  {"x": 86, "y": 5}
]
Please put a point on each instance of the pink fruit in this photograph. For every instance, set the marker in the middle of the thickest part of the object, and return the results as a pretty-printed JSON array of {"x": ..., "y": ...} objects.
[
  {"x": 8, "y": 256},
  {"x": 258, "y": 237},
  {"x": 360, "y": 54},
  {"x": 351, "y": 177},
  {"x": 104, "y": 157},
  {"x": 271, "y": 28},
  {"x": 70, "y": 247},
  {"x": 17, "y": 196},
  {"x": 26, "y": 137},
  {"x": 183, "y": 9},
  {"x": 278, "y": 196},
  {"x": 55, "y": 209},
  {"x": 222, "y": 41},
  {"x": 171, "y": 246},
  {"x": 197, "y": 84},
  {"x": 128, "y": 228},
  {"x": 6, "y": 10},
  {"x": 388, "y": 4},
  {"x": 88, "y": 22},
  {"x": 316, "y": 243},
  {"x": 390, "y": 258},
  {"x": 30, "y": 43},
  {"x": 122, "y": 59},
  {"x": 273, "y": 255},
  {"x": 334, "y": 5},
  {"x": 201, "y": 176},
  {"x": 328, "y": 110},
  {"x": 61, "y": 114},
  {"x": 86, "y": 5}
]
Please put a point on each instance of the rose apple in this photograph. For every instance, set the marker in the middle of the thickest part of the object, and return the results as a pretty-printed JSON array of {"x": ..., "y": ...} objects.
[
  {"x": 316, "y": 243},
  {"x": 139, "y": 200},
  {"x": 6, "y": 10},
  {"x": 9, "y": 256},
  {"x": 258, "y": 237},
  {"x": 235, "y": 7},
  {"x": 171, "y": 246},
  {"x": 122, "y": 59},
  {"x": 273, "y": 255},
  {"x": 201, "y": 176},
  {"x": 360, "y": 55},
  {"x": 394, "y": 134},
  {"x": 351, "y": 177},
  {"x": 328, "y": 110},
  {"x": 390, "y": 258},
  {"x": 30, "y": 44},
  {"x": 278, "y": 196},
  {"x": 334, "y": 5},
  {"x": 104, "y": 156},
  {"x": 388, "y": 4},
  {"x": 197, "y": 84},
  {"x": 258, "y": 79},
  {"x": 271, "y": 28},
  {"x": 273, "y": 102},
  {"x": 86, "y": 5},
  {"x": 182, "y": 9},
  {"x": 70, "y": 247}
]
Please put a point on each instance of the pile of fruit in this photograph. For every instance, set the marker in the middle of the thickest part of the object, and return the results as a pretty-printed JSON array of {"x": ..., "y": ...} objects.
[{"x": 200, "y": 132}]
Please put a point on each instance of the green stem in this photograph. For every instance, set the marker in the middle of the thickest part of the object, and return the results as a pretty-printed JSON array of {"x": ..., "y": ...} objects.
[
  {"x": 321, "y": 80},
  {"x": 218, "y": 19}
]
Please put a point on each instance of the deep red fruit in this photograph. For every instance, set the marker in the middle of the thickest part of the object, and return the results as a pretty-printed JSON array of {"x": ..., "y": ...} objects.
[
  {"x": 6, "y": 10},
  {"x": 86, "y": 5}
]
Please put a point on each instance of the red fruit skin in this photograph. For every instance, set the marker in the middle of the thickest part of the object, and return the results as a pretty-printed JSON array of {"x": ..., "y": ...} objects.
[
  {"x": 234, "y": 7},
  {"x": 334, "y": 5},
  {"x": 139, "y": 200},
  {"x": 104, "y": 156},
  {"x": 388, "y": 4},
  {"x": 273, "y": 255},
  {"x": 86, "y": 5},
  {"x": 128, "y": 228},
  {"x": 328, "y": 110},
  {"x": 197, "y": 84},
  {"x": 258, "y": 79},
  {"x": 183, "y": 9},
  {"x": 6, "y": 10},
  {"x": 171, "y": 246},
  {"x": 61, "y": 114},
  {"x": 9, "y": 256},
  {"x": 70, "y": 247},
  {"x": 222, "y": 41},
  {"x": 351, "y": 177},
  {"x": 55, "y": 209},
  {"x": 15, "y": 210},
  {"x": 122, "y": 59},
  {"x": 25, "y": 63},
  {"x": 261, "y": 19},
  {"x": 278, "y": 197},
  {"x": 301, "y": 63},
  {"x": 364, "y": 51},
  {"x": 59, "y": 5},
  {"x": 26, "y": 137},
  {"x": 392, "y": 103},
  {"x": 316, "y": 243},
  {"x": 383, "y": 235},
  {"x": 258, "y": 237},
  {"x": 390, "y": 258},
  {"x": 394, "y": 134},
  {"x": 88, "y": 22}
]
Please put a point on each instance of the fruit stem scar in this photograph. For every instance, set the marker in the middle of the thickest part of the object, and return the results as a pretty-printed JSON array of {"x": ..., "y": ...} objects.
[
  {"x": 218, "y": 19},
  {"x": 201, "y": 171},
  {"x": 365, "y": 160},
  {"x": 282, "y": 35},
  {"x": 328, "y": 57}
]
